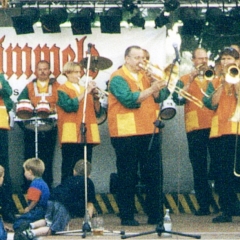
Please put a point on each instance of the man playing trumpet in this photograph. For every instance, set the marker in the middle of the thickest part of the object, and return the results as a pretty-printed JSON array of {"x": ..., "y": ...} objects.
[
  {"x": 222, "y": 96},
  {"x": 70, "y": 106},
  {"x": 197, "y": 125}
]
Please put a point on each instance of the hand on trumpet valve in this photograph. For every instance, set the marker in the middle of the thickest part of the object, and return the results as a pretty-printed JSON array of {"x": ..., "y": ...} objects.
[
  {"x": 193, "y": 75},
  {"x": 96, "y": 94},
  {"x": 91, "y": 86}
]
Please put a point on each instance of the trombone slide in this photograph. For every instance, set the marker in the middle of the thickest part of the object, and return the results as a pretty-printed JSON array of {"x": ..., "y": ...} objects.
[{"x": 189, "y": 97}]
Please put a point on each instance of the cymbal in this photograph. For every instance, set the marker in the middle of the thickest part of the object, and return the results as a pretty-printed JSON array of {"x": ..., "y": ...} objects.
[{"x": 96, "y": 63}]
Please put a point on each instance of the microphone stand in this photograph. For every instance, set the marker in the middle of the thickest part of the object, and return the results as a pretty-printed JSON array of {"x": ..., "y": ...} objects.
[
  {"x": 160, "y": 227},
  {"x": 158, "y": 122},
  {"x": 86, "y": 227}
]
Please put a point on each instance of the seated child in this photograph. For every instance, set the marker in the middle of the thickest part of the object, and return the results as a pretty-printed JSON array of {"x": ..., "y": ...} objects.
[
  {"x": 37, "y": 194},
  {"x": 3, "y": 232},
  {"x": 66, "y": 200}
]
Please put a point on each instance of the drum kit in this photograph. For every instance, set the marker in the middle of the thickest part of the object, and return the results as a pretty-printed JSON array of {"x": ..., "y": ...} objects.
[{"x": 40, "y": 117}]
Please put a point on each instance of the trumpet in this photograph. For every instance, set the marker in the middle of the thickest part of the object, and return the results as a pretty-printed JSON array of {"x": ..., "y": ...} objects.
[
  {"x": 101, "y": 92},
  {"x": 170, "y": 75},
  {"x": 232, "y": 74},
  {"x": 206, "y": 72}
]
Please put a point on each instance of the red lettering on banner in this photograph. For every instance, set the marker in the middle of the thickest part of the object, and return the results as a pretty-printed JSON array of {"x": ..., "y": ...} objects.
[
  {"x": 19, "y": 64},
  {"x": 9, "y": 61},
  {"x": 68, "y": 55},
  {"x": 1, "y": 54},
  {"x": 27, "y": 57},
  {"x": 28, "y": 52}
]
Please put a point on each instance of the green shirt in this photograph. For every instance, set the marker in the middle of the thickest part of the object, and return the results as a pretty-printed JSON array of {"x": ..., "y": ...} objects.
[
  {"x": 6, "y": 93},
  {"x": 121, "y": 90}
]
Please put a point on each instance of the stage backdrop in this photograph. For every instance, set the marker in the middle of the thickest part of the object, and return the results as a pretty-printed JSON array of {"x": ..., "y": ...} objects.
[{"x": 19, "y": 55}]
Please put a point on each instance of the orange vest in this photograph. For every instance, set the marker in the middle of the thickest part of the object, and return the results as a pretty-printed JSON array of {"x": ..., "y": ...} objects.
[
  {"x": 4, "y": 117},
  {"x": 69, "y": 123},
  {"x": 195, "y": 117},
  {"x": 124, "y": 121},
  {"x": 221, "y": 123},
  {"x": 51, "y": 97}
]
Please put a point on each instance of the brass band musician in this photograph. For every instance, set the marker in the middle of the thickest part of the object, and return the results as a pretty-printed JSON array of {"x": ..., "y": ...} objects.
[
  {"x": 70, "y": 105},
  {"x": 222, "y": 96},
  {"x": 133, "y": 107},
  {"x": 42, "y": 87},
  {"x": 6, "y": 104},
  {"x": 197, "y": 126}
]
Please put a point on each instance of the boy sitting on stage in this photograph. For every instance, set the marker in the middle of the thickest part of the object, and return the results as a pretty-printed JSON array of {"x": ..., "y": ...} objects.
[
  {"x": 66, "y": 200},
  {"x": 37, "y": 194}
]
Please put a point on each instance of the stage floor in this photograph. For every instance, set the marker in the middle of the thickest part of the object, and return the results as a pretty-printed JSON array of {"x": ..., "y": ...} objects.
[{"x": 183, "y": 223}]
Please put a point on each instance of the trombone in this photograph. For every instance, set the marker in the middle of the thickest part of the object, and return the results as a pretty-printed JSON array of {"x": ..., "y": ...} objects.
[
  {"x": 189, "y": 97},
  {"x": 171, "y": 78}
]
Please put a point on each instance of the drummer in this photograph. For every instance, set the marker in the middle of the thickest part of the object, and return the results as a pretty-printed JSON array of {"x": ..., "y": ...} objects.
[{"x": 42, "y": 88}]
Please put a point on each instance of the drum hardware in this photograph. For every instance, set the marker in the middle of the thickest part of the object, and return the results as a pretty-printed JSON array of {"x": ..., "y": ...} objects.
[
  {"x": 96, "y": 63},
  {"x": 168, "y": 109}
]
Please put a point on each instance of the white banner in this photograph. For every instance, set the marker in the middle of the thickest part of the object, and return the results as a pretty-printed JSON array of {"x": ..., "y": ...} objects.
[{"x": 19, "y": 53}]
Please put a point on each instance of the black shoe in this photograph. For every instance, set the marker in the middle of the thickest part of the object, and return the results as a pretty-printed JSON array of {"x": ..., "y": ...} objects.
[
  {"x": 9, "y": 217},
  {"x": 20, "y": 236},
  {"x": 222, "y": 219},
  {"x": 23, "y": 226},
  {"x": 153, "y": 221},
  {"x": 129, "y": 223},
  {"x": 202, "y": 212}
]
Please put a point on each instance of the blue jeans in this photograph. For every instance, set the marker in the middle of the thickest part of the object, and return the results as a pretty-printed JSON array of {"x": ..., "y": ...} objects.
[
  {"x": 29, "y": 217},
  {"x": 3, "y": 232}
]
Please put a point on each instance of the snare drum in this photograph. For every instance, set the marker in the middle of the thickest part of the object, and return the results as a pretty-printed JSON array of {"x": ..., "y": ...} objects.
[
  {"x": 24, "y": 109},
  {"x": 43, "y": 109},
  {"x": 168, "y": 109},
  {"x": 43, "y": 125}
]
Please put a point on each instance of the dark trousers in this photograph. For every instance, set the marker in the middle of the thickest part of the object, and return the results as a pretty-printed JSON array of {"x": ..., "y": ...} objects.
[
  {"x": 46, "y": 146},
  {"x": 199, "y": 144},
  {"x": 226, "y": 146},
  {"x": 6, "y": 200},
  {"x": 4, "y": 160},
  {"x": 131, "y": 151},
  {"x": 71, "y": 153}
]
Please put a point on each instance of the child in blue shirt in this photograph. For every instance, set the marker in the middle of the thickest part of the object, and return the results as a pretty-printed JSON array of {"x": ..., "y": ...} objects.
[
  {"x": 37, "y": 194},
  {"x": 66, "y": 200}
]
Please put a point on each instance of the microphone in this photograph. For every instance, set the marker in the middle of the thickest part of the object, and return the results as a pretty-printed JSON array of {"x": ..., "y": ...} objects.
[
  {"x": 177, "y": 59},
  {"x": 89, "y": 47}
]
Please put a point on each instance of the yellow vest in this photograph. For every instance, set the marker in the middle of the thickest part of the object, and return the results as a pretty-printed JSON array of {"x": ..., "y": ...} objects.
[
  {"x": 4, "y": 117},
  {"x": 122, "y": 121},
  {"x": 221, "y": 121}
]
